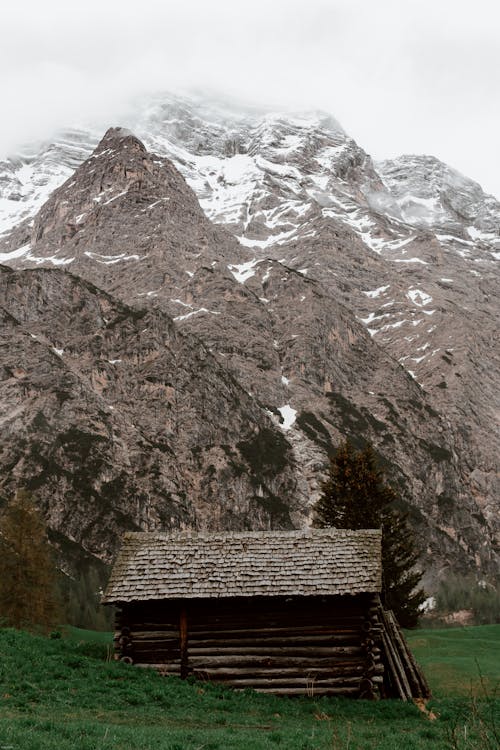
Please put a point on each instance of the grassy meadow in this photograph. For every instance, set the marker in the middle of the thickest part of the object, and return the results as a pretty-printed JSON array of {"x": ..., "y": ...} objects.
[{"x": 62, "y": 694}]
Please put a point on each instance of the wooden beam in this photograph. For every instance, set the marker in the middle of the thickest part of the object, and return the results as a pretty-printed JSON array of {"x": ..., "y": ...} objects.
[{"x": 183, "y": 639}]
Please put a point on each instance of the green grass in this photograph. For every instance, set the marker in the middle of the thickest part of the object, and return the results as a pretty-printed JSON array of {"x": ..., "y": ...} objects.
[
  {"x": 62, "y": 695},
  {"x": 459, "y": 661},
  {"x": 80, "y": 636}
]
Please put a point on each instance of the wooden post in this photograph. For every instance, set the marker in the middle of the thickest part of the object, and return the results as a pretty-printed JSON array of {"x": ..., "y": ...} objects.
[{"x": 183, "y": 633}]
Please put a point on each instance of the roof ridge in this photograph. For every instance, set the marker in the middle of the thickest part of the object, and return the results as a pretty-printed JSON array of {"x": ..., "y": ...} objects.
[{"x": 190, "y": 534}]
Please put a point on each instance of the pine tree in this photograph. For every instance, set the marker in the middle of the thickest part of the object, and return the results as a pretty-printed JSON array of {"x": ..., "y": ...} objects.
[
  {"x": 400, "y": 577},
  {"x": 356, "y": 496},
  {"x": 28, "y": 584}
]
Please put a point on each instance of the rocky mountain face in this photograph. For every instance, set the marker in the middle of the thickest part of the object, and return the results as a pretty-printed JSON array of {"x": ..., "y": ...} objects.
[
  {"x": 197, "y": 317},
  {"x": 107, "y": 413}
]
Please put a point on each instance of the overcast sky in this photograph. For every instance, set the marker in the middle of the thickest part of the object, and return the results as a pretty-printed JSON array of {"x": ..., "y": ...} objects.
[{"x": 402, "y": 76}]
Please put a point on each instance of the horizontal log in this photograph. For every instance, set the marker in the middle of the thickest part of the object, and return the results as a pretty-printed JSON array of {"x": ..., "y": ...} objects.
[
  {"x": 277, "y": 619},
  {"x": 157, "y": 638},
  {"x": 164, "y": 654},
  {"x": 139, "y": 634},
  {"x": 228, "y": 630},
  {"x": 155, "y": 655},
  {"x": 276, "y": 604},
  {"x": 275, "y": 640},
  {"x": 154, "y": 623},
  {"x": 170, "y": 644},
  {"x": 214, "y": 614},
  {"x": 264, "y": 650},
  {"x": 216, "y": 673},
  {"x": 206, "y": 662},
  {"x": 319, "y": 621}
]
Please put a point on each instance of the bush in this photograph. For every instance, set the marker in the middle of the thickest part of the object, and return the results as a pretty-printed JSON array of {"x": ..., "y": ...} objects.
[{"x": 467, "y": 593}]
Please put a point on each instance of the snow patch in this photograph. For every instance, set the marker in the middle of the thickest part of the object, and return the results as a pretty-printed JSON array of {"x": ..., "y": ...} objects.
[
  {"x": 244, "y": 271},
  {"x": 374, "y": 293},
  {"x": 24, "y": 252},
  {"x": 428, "y": 605},
  {"x": 15, "y": 253},
  {"x": 418, "y": 297},
  {"x": 110, "y": 259},
  {"x": 452, "y": 238},
  {"x": 197, "y": 312},
  {"x": 288, "y": 415},
  {"x": 273, "y": 239},
  {"x": 410, "y": 260},
  {"x": 477, "y": 234}
]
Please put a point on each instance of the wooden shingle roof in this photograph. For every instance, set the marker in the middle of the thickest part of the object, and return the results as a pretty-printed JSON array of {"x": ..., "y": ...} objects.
[{"x": 309, "y": 562}]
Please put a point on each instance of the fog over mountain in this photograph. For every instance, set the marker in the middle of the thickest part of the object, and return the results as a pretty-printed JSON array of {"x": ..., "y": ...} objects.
[{"x": 415, "y": 78}]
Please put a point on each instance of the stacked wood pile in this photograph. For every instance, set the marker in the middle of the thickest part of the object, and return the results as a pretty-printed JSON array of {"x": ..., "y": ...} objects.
[{"x": 403, "y": 677}]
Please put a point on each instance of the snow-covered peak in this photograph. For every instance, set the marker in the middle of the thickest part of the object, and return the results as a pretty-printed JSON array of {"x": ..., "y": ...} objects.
[
  {"x": 432, "y": 195},
  {"x": 241, "y": 161},
  {"x": 28, "y": 178},
  {"x": 268, "y": 176}
]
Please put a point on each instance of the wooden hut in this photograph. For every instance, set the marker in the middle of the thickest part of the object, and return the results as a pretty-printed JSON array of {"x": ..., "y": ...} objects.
[{"x": 286, "y": 612}]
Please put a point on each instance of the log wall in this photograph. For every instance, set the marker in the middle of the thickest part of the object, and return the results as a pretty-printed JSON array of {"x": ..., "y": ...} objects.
[{"x": 311, "y": 646}]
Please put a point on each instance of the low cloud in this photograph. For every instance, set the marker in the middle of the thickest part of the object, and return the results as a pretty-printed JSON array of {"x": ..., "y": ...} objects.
[{"x": 400, "y": 77}]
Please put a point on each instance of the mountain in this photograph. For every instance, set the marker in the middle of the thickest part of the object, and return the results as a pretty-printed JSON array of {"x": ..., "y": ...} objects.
[
  {"x": 106, "y": 416},
  {"x": 309, "y": 292}
]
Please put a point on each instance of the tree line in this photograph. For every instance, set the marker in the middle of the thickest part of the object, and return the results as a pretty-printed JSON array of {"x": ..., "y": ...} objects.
[
  {"x": 34, "y": 593},
  {"x": 355, "y": 495}
]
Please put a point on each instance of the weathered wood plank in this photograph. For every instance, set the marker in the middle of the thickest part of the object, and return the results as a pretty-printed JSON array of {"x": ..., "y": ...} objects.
[
  {"x": 416, "y": 681},
  {"x": 221, "y": 672},
  {"x": 397, "y": 672},
  {"x": 290, "y": 651},
  {"x": 262, "y": 660},
  {"x": 273, "y": 640},
  {"x": 154, "y": 655},
  {"x": 139, "y": 634},
  {"x": 183, "y": 630},
  {"x": 228, "y": 629}
]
